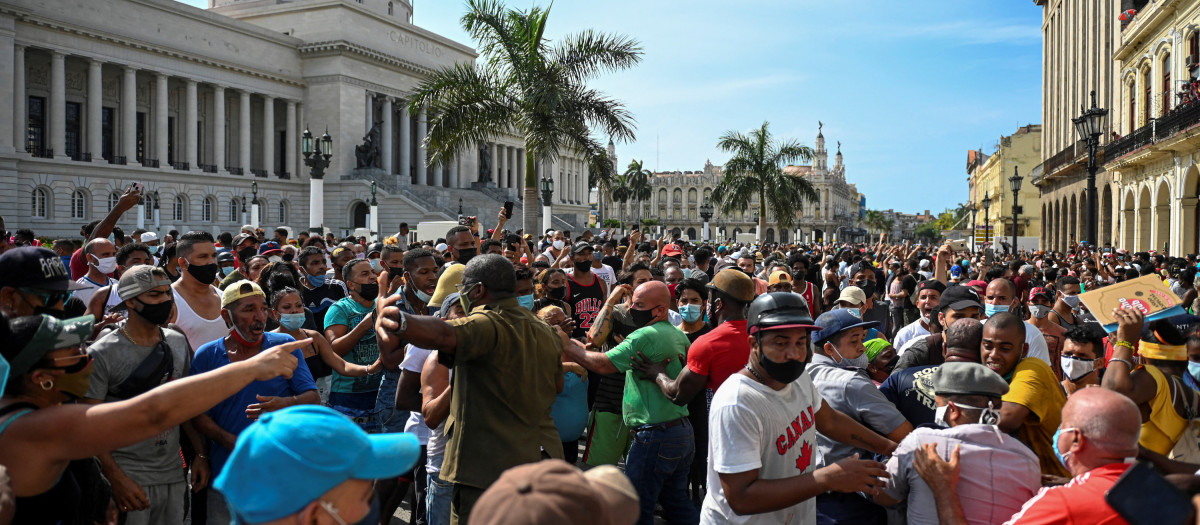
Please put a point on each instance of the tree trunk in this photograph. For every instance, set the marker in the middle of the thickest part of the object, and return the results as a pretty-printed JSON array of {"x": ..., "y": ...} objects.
[{"x": 531, "y": 206}]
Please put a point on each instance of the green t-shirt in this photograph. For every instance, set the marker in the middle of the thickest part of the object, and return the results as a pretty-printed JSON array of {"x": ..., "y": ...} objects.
[
  {"x": 643, "y": 402},
  {"x": 347, "y": 312}
]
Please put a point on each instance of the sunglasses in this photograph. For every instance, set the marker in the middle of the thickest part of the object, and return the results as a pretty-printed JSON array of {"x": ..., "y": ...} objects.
[
  {"x": 48, "y": 298},
  {"x": 75, "y": 363}
]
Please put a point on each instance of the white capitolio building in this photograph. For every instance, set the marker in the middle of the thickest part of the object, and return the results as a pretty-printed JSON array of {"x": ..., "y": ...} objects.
[{"x": 198, "y": 104}]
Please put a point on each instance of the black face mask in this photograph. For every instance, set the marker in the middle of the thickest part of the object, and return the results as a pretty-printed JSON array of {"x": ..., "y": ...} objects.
[
  {"x": 156, "y": 313},
  {"x": 785, "y": 372},
  {"x": 867, "y": 286},
  {"x": 641, "y": 317},
  {"x": 205, "y": 273},
  {"x": 395, "y": 271},
  {"x": 466, "y": 255},
  {"x": 246, "y": 253},
  {"x": 558, "y": 293},
  {"x": 583, "y": 266},
  {"x": 369, "y": 291}
]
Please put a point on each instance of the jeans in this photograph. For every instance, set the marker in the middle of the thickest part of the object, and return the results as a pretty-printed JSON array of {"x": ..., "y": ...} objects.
[
  {"x": 437, "y": 496},
  {"x": 390, "y": 419},
  {"x": 658, "y": 464}
]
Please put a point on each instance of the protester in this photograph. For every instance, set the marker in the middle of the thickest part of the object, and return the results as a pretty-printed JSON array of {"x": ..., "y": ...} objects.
[
  {"x": 1081, "y": 356},
  {"x": 319, "y": 292},
  {"x": 350, "y": 329},
  {"x": 101, "y": 256},
  {"x": 553, "y": 491},
  {"x": 929, "y": 294},
  {"x": 197, "y": 301},
  {"x": 586, "y": 292},
  {"x": 435, "y": 407},
  {"x": 911, "y": 389}
]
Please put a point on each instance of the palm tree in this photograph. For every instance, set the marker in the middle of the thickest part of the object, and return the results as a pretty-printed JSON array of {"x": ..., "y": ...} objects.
[
  {"x": 621, "y": 193},
  {"x": 602, "y": 173},
  {"x": 524, "y": 84},
  {"x": 638, "y": 179},
  {"x": 756, "y": 172}
]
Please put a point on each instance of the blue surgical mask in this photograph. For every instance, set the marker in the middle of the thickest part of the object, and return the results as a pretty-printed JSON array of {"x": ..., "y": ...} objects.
[
  {"x": 1062, "y": 457},
  {"x": 690, "y": 312},
  {"x": 226, "y": 270},
  {"x": 1194, "y": 370},
  {"x": 154, "y": 249},
  {"x": 526, "y": 301},
  {"x": 993, "y": 309},
  {"x": 856, "y": 312},
  {"x": 292, "y": 322},
  {"x": 316, "y": 280}
]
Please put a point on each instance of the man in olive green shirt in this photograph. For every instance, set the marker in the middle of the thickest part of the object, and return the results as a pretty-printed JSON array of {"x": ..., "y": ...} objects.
[
  {"x": 507, "y": 372},
  {"x": 663, "y": 443}
]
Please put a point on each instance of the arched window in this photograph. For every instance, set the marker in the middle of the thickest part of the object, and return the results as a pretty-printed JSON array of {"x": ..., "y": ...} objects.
[
  {"x": 148, "y": 203},
  {"x": 180, "y": 209},
  {"x": 262, "y": 210},
  {"x": 283, "y": 212},
  {"x": 79, "y": 205},
  {"x": 206, "y": 211},
  {"x": 113, "y": 199},
  {"x": 1166, "y": 84},
  {"x": 235, "y": 210},
  {"x": 41, "y": 203}
]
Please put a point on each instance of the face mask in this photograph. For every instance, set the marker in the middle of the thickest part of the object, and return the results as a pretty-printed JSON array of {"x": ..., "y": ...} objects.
[
  {"x": 993, "y": 309},
  {"x": 1074, "y": 368},
  {"x": 1062, "y": 456},
  {"x": 376, "y": 265},
  {"x": 204, "y": 273},
  {"x": 856, "y": 312},
  {"x": 156, "y": 313},
  {"x": 858, "y": 362},
  {"x": 583, "y": 266},
  {"x": 526, "y": 301},
  {"x": 75, "y": 384},
  {"x": 292, "y": 322},
  {"x": 785, "y": 372},
  {"x": 226, "y": 270},
  {"x": 868, "y": 286},
  {"x": 424, "y": 297},
  {"x": 558, "y": 293},
  {"x": 690, "y": 312},
  {"x": 106, "y": 265},
  {"x": 939, "y": 416},
  {"x": 641, "y": 317},
  {"x": 558, "y": 245},
  {"x": 1193, "y": 369},
  {"x": 369, "y": 291},
  {"x": 246, "y": 253},
  {"x": 466, "y": 255},
  {"x": 1072, "y": 301},
  {"x": 464, "y": 299},
  {"x": 155, "y": 249},
  {"x": 1039, "y": 311},
  {"x": 316, "y": 280}
]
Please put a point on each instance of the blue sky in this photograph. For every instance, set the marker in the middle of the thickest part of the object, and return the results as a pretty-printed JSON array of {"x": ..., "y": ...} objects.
[{"x": 908, "y": 87}]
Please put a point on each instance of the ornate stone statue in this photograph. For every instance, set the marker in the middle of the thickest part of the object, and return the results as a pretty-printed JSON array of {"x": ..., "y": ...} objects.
[
  {"x": 485, "y": 163},
  {"x": 367, "y": 153}
]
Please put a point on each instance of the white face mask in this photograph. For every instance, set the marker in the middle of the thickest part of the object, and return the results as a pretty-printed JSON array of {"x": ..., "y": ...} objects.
[
  {"x": 558, "y": 245},
  {"x": 105, "y": 265},
  {"x": 1072, "y": 301},
  {"x": 858, "y": 362},
  {"x": 1074, "y": 368}
]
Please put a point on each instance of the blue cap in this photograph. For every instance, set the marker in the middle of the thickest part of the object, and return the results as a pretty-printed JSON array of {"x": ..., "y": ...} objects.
[
  {"x": 837, "y": 321},
  {"x": 267, "y": 246},
  {"x": 956, "y": 271},
  {"x": 288, "y": 459}
]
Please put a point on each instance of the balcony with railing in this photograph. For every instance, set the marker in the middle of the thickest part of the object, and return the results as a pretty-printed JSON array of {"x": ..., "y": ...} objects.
[
  {"x": 261, "y": 173},
  {"x": 181, "y": 166},
  {"x": 208, "y": 168},
  {"x": 117, "y": 159},
  {"x": 149, "y": 163},
  {"x": 234, "y": 170},
  {"x": 1178, "y": 120}
]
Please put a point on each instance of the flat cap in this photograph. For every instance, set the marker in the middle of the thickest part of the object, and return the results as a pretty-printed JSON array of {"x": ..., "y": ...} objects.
[{"x": 968, "y": 379}]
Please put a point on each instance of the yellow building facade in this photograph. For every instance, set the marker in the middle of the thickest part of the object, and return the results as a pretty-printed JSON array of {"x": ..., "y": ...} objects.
[{"x": 988, "y": 177}]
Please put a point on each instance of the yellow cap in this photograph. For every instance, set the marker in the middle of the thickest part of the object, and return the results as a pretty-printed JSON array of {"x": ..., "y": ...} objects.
[
  {"x": 447, "y": 284},
  {"x": 240, "y": 290},
  {"x": 779, "y": 276}
]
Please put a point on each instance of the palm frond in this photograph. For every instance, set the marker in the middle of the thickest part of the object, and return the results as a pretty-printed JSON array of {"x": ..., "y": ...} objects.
[{"x": 586, "y": 54}]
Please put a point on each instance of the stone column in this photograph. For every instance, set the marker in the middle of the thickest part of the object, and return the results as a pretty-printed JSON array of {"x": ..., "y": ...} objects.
[
  {"x": 289, "y": 163},
  {"x": 422, "y": 130},
  {"x": 269, "y": 134},
  {"x": 405, "y": 143},
  {"x": 160, "y": 119},
  {"x": 437, "y": 180},
  {"x": 19, "y": 117},
  {"x": 496, "y": 148},
  {"x": 587, "y": 188},
  {"x": 190, "y": 125},
  {"x": 129, "y": 115},
  {"x": 501, "y": 161},
  {"x": 218, "y": 129},
  {"x": 519, "y": 173},
  {"x": 369, "y": 115},
  {"x": 58, "y": 104},
  {"x": 244, "y": 132},
  {"x": 95, "y": 104},
  {"x": 455, "y": 182},
  {"x": 386, "y": 138}
]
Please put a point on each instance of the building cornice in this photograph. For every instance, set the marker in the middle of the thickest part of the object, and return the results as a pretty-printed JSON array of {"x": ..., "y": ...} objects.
[{"x": 342, "y": 47}]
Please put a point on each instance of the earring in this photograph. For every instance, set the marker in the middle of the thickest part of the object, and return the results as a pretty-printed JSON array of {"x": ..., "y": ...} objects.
[{"x": 46, "y": 384}]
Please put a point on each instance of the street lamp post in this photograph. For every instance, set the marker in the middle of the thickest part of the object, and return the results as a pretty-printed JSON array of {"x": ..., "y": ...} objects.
[
  {"x": 243, "y": 209},
  {"x": 974, "y": 209},
  {"x": 706, "y": 213},
  {"x": 254, "y": 211},
  {"x": 1090, "y": 125},
  {"x": 317, "y": 153},
  {"x": 460, "y": 212},
  {"x": 157, "y": 212},
  {"x": 1014, "y": 182},
  {"x": 141, "y": 212},
  {"x": 373, "y": 223},
  {"x": 987, "y": 223},
  {"x": 547, "y": 186}
]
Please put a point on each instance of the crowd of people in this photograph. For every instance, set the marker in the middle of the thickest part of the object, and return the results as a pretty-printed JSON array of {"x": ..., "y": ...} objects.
[{"x": 503, "y": 377}]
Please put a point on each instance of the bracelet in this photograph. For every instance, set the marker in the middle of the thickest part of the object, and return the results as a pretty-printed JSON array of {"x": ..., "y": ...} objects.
[
  {"x": 1127, "y": 362},
  {"x": 201, "y": 456},
  {"x": 1125, "y": 344},
  {"x": 403, "y": 323}
]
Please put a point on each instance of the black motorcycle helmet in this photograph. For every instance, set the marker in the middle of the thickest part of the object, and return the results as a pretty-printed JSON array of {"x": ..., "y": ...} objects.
[{"x": 778, "y": 310}]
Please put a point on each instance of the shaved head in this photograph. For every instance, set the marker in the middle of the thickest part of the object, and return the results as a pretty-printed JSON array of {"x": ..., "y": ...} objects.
[
  {"x": 1110, "y": 420},
  {"x": 651, "y": 294}
]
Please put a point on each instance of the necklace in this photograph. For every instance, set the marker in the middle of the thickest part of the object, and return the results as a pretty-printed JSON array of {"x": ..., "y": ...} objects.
[
  {"x": 129, "y": 337},
  {"x": 755, "y": 374}
]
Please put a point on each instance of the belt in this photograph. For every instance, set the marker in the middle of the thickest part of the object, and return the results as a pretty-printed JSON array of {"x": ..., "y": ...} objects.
[{"x": 661, "y": 426}]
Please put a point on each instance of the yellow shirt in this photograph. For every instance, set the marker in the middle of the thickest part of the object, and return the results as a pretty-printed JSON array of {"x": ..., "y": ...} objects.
[
  {"x": 1165, "y": 425},
  {"x": 1034, "y": 386}
]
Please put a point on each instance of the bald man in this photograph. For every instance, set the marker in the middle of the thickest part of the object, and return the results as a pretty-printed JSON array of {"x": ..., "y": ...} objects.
[
  {"x": 1001, "y": 296},
  {"x": 663, "y": 444},
  {"x": 1099, "y": 432}
]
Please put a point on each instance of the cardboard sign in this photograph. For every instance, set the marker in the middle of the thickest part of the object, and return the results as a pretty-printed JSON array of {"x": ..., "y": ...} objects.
[{"x": 1147, "y": 293}]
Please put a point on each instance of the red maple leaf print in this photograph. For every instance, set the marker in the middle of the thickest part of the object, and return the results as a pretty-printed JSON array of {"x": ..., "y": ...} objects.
[{"x": 805, "y": 458}]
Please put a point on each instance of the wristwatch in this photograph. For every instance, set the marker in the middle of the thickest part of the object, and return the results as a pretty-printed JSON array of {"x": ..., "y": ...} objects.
[{"x": 403, "y": 323}]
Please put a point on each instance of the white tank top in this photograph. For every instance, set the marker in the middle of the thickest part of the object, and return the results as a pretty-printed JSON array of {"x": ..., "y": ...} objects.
[{"x": 199, "y": 331}]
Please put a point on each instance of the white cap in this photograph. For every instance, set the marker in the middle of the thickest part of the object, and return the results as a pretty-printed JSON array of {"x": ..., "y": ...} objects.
[
  {"x": 924, "y": 264},
  {"x": 149, "y": 237},
  {"x": 441, "y": 247}
]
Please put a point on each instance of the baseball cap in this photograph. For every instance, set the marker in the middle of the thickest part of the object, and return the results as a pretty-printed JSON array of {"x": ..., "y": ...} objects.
[
  {"x": 734, "y": 283},
  {"x": 779, "y": 276},
  {"x": 968, "y": 379},
  {"x": 837, "y": 321},
  {"x": 284, "y": 461},
  {"x": 853, "y": 295},
  {"x": 956, "y": 271},
  {"x": 35, "y": 267},
  {"x": 239, "y": 239},
  {"x": 149, "y": 237},
  {"x": 580, "y": 246},
  {"x": 958, "y": 298},
  {"x": 554, "y": 491},
  {"x": 924, "y": 264},
  {"x": 52, "y": 334},
  {"x": 672, "y": 250},
  {"x": 139, "y": 280},
  {"x": 266, "y": 247},
  {"x": 441, "y": 247},
  {"x": 1039, "y": 291},
  {"x": 240, "y": 290},
  {"x": 248, "y": 228},
  {"x": 721, "y": 249},
  {"x": 931, "y": 284}
]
